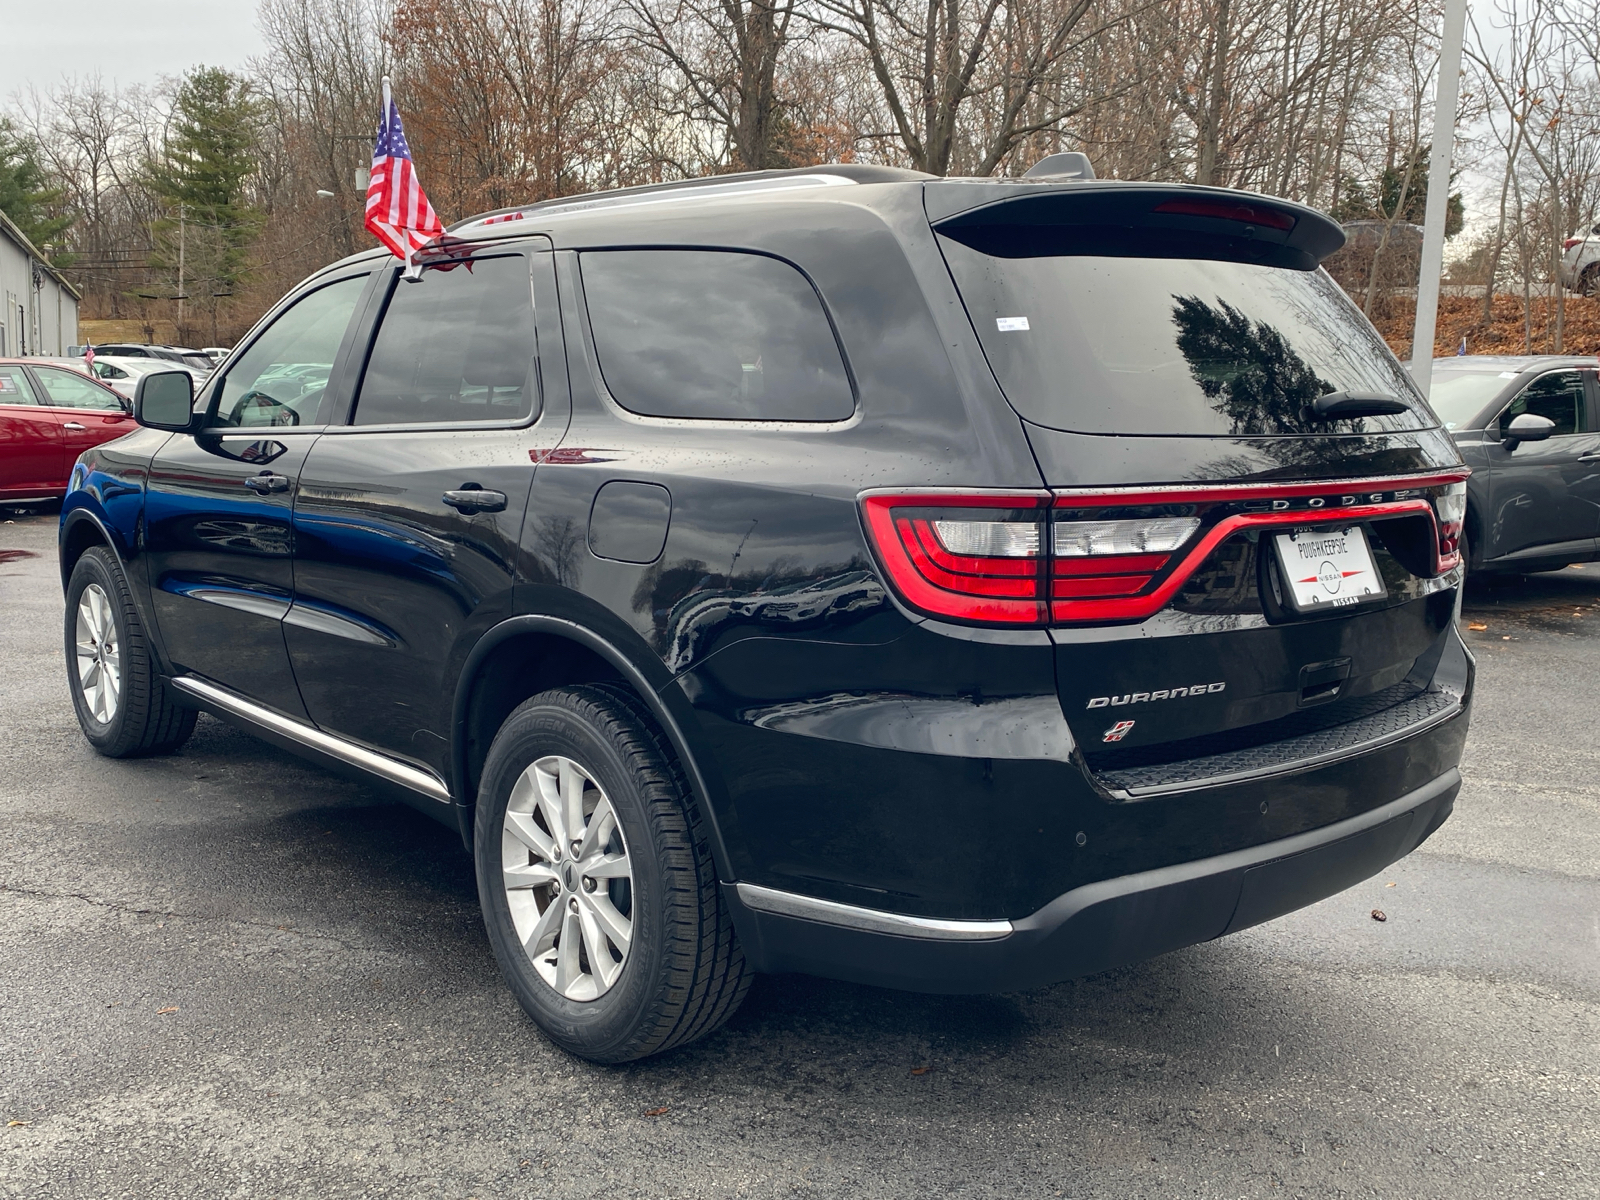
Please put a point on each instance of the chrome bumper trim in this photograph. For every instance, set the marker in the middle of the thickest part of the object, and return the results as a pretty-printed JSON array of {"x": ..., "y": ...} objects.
[
  {"x": 871, "y": 920},
  {"x": 407, "y": 776}
]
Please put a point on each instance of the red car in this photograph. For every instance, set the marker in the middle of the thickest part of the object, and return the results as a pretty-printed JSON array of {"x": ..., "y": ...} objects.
[{"x": 50, "y": 414}]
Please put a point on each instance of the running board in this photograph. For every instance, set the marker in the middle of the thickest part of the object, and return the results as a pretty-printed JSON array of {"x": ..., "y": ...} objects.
[{"x": 395, "y": 771}]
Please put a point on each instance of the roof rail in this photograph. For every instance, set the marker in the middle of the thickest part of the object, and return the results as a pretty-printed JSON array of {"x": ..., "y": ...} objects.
[{"x": 745, "y": 184}]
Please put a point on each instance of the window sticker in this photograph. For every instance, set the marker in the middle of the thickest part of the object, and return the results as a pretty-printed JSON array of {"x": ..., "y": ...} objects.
[
  {"x": 1011, "y": 324},
  {"x": 8, "y": 385}
]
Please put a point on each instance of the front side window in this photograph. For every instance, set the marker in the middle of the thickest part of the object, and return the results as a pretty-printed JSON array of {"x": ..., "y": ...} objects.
[
  {"x": 14, "y": 386},
  {"x": 456, "y": 347},
  {"x": 713, "y": 334},
  {"x": 283, "y": 377},
  {"x": 1559, "y": 396},
  {"x": 68, "y": 389}
]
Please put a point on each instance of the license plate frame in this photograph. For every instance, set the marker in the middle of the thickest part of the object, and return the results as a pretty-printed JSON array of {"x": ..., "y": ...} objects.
[{"x": 1326, "y": 569}]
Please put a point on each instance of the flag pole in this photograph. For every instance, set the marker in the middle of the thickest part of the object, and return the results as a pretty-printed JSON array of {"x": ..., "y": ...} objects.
[{"x": 1444, "y": 135}]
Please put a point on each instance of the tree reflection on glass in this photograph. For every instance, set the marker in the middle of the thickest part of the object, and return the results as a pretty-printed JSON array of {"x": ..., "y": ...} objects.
[{"x": 1248, "y": 370}]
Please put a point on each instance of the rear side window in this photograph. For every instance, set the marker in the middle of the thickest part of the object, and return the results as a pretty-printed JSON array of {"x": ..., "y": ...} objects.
[
  {"x": 456, "y": 347},
  {"x": 14, "y": 386},
  {"x": 1174, "y": 346},
  {"x": 713, "y": 334},
  {"x": 1559, "y": 396}
]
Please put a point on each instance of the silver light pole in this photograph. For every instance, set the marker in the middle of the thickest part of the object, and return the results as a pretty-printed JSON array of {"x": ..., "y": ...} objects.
[{"x": 1444, "y": 136}]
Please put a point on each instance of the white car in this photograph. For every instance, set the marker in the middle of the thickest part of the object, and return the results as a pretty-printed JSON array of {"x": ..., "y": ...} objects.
[
  {"x": 122, "y": 374},
  {"x": 1580, "y": 263}
]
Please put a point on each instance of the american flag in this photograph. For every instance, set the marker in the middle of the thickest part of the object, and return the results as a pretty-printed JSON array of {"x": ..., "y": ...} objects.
[{"x": 398, "y": 212}]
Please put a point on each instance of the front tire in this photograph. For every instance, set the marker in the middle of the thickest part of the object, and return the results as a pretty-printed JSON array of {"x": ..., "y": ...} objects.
[
  {"x": 596, "y": 881},
  {"x": 123, "y": 706}
]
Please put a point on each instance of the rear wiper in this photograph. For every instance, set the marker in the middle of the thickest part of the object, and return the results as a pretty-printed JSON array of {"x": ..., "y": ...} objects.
[{"x": 1342, "y": 406}]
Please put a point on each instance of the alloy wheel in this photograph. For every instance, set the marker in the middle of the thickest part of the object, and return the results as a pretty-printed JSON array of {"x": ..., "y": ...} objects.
[
  {"x": 568, "y": 881},
  {"x": 99, "y": 654}
]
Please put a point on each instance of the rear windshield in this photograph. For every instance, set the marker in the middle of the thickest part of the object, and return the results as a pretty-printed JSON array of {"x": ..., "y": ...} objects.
[{"x": 1174, "y": 346}]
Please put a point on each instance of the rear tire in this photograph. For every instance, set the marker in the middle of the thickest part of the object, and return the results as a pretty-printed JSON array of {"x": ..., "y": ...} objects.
[
  {"x": 611, "y": 932},
  {"x": 123, "y": 705},
  {"x": 1589, "y": 280}
]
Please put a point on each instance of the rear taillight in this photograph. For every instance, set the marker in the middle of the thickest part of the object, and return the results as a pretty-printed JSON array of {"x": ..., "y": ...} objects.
[
  {"x": 1450, "y": 505},
  {"x": 1571, "y": 242},
  {"x": 970, "y": 558},
  {"x": 1091, "y": 555}
]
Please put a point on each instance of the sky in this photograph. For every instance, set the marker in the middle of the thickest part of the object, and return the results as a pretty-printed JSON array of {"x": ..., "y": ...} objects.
[{"x": 129, "y": 41}]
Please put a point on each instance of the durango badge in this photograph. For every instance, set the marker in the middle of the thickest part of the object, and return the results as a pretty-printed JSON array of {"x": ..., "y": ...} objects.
[
  {"x": 1117, "y": 732},
  {"x": 1199, "y": 689}
]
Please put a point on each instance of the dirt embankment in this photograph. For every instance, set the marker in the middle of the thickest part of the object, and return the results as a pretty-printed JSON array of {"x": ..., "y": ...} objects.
[{"x": 1506, "y": 333}]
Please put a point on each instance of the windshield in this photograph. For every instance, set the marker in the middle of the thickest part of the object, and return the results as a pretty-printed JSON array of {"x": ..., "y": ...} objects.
[
  {"x": 1458, "y": 396},
  {"x": 1174, "y": 346}
]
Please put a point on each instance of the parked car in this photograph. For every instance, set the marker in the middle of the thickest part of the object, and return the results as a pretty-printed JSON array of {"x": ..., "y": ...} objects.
[
  {"x": 1580, "y": 263},
  {"x": 50, "y": 414},
  {"x": 215, "y": 353},
  {"x": 123, "y": 374},
  {"x": 1529, "y": 427},
  {"x": 957, "y": 585},
  {"x": 195, "y": 359}
]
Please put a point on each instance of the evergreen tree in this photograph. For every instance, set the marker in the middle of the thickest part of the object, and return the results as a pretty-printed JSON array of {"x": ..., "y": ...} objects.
[
  {"x": 33, "y": 207},
  {"x": 201, "y": 182},
  {"x": 1357, "y": 202}
]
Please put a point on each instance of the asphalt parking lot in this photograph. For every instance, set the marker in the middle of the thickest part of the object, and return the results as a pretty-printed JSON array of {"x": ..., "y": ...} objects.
[{"x": 227, "y": 973}]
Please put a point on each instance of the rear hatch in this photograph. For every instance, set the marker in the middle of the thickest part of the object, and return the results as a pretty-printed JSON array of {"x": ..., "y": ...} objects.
[{"x": 1251, "y": 532}]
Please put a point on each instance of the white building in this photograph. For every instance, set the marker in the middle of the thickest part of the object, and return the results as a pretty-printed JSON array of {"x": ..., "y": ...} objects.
[{"x": 38, "y": 307}]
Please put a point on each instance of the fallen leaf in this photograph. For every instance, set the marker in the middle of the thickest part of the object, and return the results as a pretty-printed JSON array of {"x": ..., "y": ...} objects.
[
  {"x": 656, "y": 1112},
  {"x": 16, "y": 1124},
  {"x": 161, "y": 1012},
  {"x": 1477, "y": 625},
  {"x": 1388, "y": 885},
  {"x": 920, "y": 1070},
  {"x": 1506, "y": 638},
  {"x": 1377, "y": 915}
]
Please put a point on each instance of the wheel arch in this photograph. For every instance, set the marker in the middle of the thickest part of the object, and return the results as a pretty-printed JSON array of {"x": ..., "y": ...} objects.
[
  {"x": 81, "y": 528},
  {"x": 523, "y": 656}
]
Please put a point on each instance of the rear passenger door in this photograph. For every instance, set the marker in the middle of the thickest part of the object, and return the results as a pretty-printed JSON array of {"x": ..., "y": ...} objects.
[
  {"x": 409, "y": 512},
  {"x": 32, "y": 458},
  {"x": 1547, "y": 494}
]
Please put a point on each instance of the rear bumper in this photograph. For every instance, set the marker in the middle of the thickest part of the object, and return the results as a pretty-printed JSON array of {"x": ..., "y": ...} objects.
[{"x": 1091, "y": 928}]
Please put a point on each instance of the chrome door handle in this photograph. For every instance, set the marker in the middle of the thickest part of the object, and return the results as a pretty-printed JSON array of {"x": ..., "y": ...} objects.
[
  {"x": 71, "y": 425},
  {"x": 1590, "y": 456},
  {"x": 475, "y": 499},
  {"x": 266, "y": 482}
]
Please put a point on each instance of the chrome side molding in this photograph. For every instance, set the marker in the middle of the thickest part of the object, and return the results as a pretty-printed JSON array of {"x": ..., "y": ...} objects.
[
  {"x": 395, "y": 771},
  {"x": 871, "y": 920}
]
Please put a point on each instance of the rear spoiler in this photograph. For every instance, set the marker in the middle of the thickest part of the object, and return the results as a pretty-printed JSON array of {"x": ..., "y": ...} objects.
[{"x": 1131, "y": 220}]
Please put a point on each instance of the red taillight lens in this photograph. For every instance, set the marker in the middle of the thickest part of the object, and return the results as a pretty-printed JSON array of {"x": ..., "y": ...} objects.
[
  {"x": 1227, "y": 210},
  {"x": 1571, "y": 242},
  {"x": 1086, "y": 556},
  {"x": 969, "y": 558}
]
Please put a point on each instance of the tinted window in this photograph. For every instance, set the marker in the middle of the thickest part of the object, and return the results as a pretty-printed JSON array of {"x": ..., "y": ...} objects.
[
  {"x": 282, "y": 378},
  {"x": 1174, "y": 346},
  {"x": 1559, "y": 396},
  {"x": 457, "y": 346},
  {"x": 68, "y": 389},
  {"x": 14, "y": 386},
  {"x": 694, "y": 333}
]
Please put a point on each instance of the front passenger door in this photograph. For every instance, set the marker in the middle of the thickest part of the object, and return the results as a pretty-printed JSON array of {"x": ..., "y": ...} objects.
[
  {"x": 220, "y": 541},
  {"x": 1546, "y": 495}
]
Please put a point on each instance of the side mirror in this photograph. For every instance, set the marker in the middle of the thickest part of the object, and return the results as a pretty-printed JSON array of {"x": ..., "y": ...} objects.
[
  {"x": 165, "y": 400},
  {"x": 1527, "y": 427}
]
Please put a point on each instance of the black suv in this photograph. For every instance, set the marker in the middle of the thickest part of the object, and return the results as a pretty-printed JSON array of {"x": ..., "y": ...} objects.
[{"x": 947, "y": 584}]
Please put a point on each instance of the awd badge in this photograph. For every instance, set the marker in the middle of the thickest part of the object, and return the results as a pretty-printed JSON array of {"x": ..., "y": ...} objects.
[{"x": 1117, "y": 732}]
